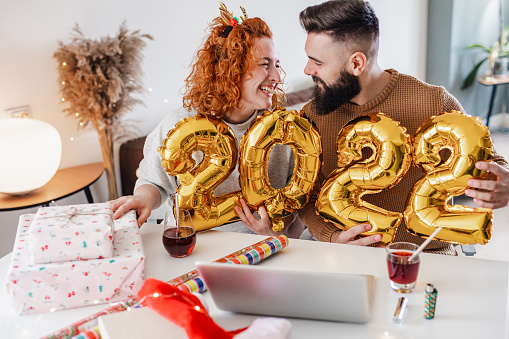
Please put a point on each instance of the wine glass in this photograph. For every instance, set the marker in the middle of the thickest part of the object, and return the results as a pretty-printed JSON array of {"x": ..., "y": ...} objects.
[{"x": 179, "y": 237}]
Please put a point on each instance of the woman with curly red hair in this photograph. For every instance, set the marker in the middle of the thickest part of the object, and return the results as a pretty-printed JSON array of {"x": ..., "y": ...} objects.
[{"x": 235, "y": 76}]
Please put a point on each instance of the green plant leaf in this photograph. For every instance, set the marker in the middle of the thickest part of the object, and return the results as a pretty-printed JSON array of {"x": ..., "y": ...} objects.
[
  {"x": 469, "y": 80},
  {"x": 484, "y": 48}
]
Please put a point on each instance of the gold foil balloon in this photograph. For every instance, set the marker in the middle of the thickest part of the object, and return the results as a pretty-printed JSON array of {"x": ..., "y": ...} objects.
[
  {"x": 200, "y": 133},
  {"x": 428, "y": 208},
  {"x": 340, "y": 199},
  {"x": 287, "y": 128}
]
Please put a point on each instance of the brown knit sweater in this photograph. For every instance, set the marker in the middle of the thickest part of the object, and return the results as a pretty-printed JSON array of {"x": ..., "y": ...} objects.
[{"x": 406, "y": 100}]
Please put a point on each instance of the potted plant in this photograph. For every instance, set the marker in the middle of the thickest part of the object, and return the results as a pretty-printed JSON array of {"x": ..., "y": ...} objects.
[{"x": 497, "y": 55}]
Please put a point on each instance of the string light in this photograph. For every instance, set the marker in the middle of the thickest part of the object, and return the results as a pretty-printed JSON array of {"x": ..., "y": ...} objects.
[
  {"x": 165, "y": 101},
  {"x": 150, "y": 89},
  {"x": 63, "y": 82},
  {"x": 63, "y": 99},
  {"x": 77, "y": 114},
  {"x": 167, "y": 296},
  {"x": 64, "y": 63}
]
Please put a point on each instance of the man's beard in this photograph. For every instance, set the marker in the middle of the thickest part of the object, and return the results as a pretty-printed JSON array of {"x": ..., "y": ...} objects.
[{"x": 329, "y": 98}]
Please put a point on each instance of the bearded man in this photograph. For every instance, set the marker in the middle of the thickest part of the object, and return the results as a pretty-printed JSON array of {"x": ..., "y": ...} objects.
[{"x": 342, "y": 47}]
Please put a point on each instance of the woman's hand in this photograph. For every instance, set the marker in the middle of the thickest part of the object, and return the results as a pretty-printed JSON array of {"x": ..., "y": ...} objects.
[
  {"x": 143, "y": 201},
  {"x": 263, "y": 225}
]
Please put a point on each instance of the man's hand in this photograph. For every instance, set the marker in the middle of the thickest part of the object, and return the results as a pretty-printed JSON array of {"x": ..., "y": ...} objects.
[
  {"x": 351, "y": 236},
  {"x": 492, "y": 192}
]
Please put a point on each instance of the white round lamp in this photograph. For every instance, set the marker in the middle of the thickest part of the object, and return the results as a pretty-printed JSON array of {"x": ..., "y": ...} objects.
[{"x": 30, "y": 152}]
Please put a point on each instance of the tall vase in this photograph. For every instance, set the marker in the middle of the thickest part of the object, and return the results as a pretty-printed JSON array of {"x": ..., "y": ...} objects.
[{"x": 106, "y": 141}]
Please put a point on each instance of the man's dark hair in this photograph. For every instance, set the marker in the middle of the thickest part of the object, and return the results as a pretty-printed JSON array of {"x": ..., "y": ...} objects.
[{"x": 350, "y": 21}]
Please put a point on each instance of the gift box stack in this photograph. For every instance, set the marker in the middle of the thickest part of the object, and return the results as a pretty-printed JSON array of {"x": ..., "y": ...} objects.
[{"x": 72, "y": 256}]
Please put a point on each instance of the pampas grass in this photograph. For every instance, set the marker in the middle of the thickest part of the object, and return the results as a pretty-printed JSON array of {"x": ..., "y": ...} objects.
[{"x": 98, "y": 81}]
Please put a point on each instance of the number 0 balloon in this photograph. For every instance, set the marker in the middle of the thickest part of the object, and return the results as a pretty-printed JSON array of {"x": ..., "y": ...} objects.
[{"x": 286, "y": 128}]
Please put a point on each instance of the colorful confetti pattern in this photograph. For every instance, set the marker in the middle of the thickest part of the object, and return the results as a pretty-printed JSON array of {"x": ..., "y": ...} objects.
[{"x": 73, "y": 232}]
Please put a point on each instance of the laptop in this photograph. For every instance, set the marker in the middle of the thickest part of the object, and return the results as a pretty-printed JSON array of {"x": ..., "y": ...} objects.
[{"x": 283, "y": 292}]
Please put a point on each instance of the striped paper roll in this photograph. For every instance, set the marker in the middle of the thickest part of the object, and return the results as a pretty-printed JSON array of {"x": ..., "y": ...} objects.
[
  {"x": 261, "y": 252},
  {"x": 254, "y": 256}
]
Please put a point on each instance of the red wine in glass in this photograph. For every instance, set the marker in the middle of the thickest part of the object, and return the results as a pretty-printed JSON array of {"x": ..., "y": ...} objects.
[
  {"x": 179, "y": 245},
  {"x": 402, "y": 271}
]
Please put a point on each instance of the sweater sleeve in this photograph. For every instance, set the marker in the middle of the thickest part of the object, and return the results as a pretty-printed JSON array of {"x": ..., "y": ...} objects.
[
  {"x": 317, "y": 226},
  {"x": 450, "y": 103},
  {"x": 151, "y": 172}
]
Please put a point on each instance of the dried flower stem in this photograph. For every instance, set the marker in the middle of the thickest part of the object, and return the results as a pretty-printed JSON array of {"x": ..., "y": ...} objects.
[{"x": 98, "y": 79}]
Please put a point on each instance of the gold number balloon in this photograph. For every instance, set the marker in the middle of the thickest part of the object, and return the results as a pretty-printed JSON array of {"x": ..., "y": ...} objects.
[
  {"x": 468, "y": 142},
  {"x": 287, "y": 128},
  {"x": 340, "y": 199},
  {"x": 200, "y": 133}
]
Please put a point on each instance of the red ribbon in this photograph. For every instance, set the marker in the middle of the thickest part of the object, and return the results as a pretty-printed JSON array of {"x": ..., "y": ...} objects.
[{"x": 183, "y": 309}]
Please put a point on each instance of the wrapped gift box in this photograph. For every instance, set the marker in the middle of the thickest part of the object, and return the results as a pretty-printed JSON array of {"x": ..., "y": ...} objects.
[
  {"x": 63, "y": 285},
  {"x": 74, "y": 232}
]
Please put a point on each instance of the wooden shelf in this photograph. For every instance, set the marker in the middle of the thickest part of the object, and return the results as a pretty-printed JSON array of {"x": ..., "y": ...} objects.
[{"x": 493, "y": 80}]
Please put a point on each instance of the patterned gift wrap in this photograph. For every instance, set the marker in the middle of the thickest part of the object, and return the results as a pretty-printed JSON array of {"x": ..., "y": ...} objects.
[
  {"x": 85, "y": 325},
  {"x": 75, "y": 232},
  {"x": 63, "y": 285},
  {"x": 261, "y": 251}
]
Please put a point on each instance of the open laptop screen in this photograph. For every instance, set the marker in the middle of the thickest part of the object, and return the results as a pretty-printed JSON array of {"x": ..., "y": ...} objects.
[{"x": 282, "y": 292}]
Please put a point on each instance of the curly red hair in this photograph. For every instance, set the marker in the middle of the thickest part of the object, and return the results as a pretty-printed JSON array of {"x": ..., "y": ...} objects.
[{"x": 213, "y": 87}]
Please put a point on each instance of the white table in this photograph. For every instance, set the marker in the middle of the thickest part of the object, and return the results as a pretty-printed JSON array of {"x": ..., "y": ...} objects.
[{"x": 472, "y": 293}]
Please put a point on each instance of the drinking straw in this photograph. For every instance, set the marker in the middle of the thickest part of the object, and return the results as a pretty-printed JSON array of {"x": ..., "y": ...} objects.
[
  {"x": 177, "y": 213},
  {"x": 419, "y": 250}
]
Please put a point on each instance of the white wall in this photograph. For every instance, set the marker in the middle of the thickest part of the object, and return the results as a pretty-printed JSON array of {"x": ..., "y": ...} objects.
[{"x": 31, "y": 28}]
